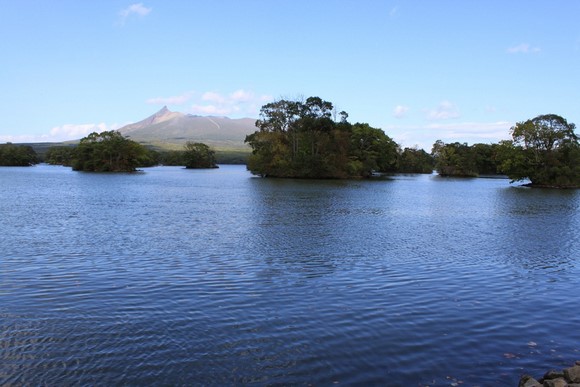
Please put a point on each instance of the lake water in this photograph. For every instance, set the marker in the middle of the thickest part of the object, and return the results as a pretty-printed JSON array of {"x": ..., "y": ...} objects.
[{"x": 215, "y": 277}]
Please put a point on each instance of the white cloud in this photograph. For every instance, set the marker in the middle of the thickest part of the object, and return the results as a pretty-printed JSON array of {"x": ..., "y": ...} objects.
[
  {"x": 400, "y": 111},
  {"x": 65, "y": 132},
  {"x": 25, "y": 138},
  {"x": 242, "y": 95},
  {"x": 425, "y": 136},
  {"x": 446, "y": 110},
  {"x": 77, "y": 131},
  {"x": 211, "y": 109},
  {"x": 213, "y": 97},
  {"x": 134, "y": 9},
  {"x": 239, "y": 102},
  {"x": 523, "y": 48},
  {"x": 394, "y": 11},
  {"x": 173, "y": 100},
  {"x": 473, "y": 130}
]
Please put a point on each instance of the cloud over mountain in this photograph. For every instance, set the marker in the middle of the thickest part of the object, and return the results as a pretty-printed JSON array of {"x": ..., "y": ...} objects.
[{"x": 239, "y": 103}]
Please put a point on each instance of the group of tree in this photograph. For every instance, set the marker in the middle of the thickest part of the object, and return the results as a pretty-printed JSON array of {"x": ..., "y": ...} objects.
[
  {"x": 194, "y": 155},
  {"x": 112, "y": 152},
  {"x": 60, "y": 155},
  {"x": 12, "y": 155},
  {"x": 462, "y": 160},
  {"x": 414, "y": 160},
  {"x": 108, "y": 151},
  {"x": 305, "y": 139},
  {"x": 198, "y": 155},
  {"x": 544, "y": 150}
]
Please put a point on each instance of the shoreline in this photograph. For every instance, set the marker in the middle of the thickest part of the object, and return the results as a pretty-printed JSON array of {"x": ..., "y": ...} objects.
[{"x": 568, "y": 377}]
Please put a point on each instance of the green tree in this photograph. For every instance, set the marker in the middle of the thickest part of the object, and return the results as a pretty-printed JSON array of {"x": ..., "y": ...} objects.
[
  {"x": 455, "y": 159},
  {"x": 108, "y": 152},
  {"x": 60, "y": 155},
  {"x": 544, "y": 150},
  {"x": 150, "y": 158},
  {"x": 484, "y": 156},
  {"x": 198, "y": 155},
  {"x": 372, "y": 150},
  {"x": 413, "y": 160},
  {"x": 17, "y": 155},
  {"x": 302, "y": 139}
]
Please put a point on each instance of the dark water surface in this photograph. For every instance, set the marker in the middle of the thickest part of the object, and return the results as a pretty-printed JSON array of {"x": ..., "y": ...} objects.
[{"x": 215, "y": 277}]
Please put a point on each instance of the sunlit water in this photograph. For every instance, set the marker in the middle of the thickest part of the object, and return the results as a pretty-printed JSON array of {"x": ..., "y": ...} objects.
[{"x": 215, "y": 277}]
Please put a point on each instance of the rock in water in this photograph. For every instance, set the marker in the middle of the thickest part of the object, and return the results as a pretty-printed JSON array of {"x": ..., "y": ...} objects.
[{"x": 572, "y": 374}]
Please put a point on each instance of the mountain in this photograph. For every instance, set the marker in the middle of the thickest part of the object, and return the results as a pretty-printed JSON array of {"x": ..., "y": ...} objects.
[{"x": 170, "y": 130}]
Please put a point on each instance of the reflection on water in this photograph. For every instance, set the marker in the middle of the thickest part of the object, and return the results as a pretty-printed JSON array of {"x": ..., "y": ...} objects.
[{"x": 215, "y": 277}]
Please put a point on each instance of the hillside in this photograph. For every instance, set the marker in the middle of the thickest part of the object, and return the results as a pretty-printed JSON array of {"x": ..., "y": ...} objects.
[{"x": 170, "y": 130}]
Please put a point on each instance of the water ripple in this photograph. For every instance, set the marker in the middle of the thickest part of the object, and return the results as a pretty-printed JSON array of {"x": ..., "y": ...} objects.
[{"x": 218, "y": 278}]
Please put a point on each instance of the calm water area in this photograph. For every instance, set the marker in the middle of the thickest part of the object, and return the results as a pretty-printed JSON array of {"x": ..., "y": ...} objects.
[{"x": 215, "y": 277}]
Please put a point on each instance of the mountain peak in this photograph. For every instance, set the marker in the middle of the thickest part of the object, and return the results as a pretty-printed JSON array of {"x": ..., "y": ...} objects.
[
  {"x": 162, "y": 115},
  {"x": 167, "y": 127},
  {"x": 163, "y": 111}
]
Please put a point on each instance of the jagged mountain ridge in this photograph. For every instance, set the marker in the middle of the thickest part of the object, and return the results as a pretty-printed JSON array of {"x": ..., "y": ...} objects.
[{"x": 172, "y": 129}]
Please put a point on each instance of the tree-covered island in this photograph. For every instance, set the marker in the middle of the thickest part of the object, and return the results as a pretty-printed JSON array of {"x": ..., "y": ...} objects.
[
  {"x": 198, "y": 156},
  {"x": 108, "y": 151},
  {"x": 544, "y": 150},
  {"x": 17, "y": 155},
  {"x": 304, "y": 139}
]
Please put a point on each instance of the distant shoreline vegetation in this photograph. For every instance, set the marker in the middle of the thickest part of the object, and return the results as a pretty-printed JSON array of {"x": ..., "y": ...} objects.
[
  {"x": 310, "y": 139},
  {"x": 17, "y": 155},
  {"x": 112, "y": 152}
]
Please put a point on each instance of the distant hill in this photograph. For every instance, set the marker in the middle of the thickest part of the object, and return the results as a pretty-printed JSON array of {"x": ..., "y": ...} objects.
[{"x": 170, "y": 130}]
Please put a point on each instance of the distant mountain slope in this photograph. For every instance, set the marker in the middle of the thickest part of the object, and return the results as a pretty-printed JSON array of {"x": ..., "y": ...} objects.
[{"x": 169, "y": 129}]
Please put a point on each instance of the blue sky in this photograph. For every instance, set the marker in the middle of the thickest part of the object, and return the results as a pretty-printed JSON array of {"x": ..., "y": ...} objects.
[{"x": 420, "y": 70}]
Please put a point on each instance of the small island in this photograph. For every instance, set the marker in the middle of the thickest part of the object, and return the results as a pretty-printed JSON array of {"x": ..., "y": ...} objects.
[
  {"x": 108, "y": 151},
  {"x": 308, "y": 139},
  {"x": 544, "y": 150},
  {"x": 198, "y": 156}
]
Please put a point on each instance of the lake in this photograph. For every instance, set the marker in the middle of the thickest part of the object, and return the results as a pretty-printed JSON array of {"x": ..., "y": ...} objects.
[{"x": 215, "y": 277}]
